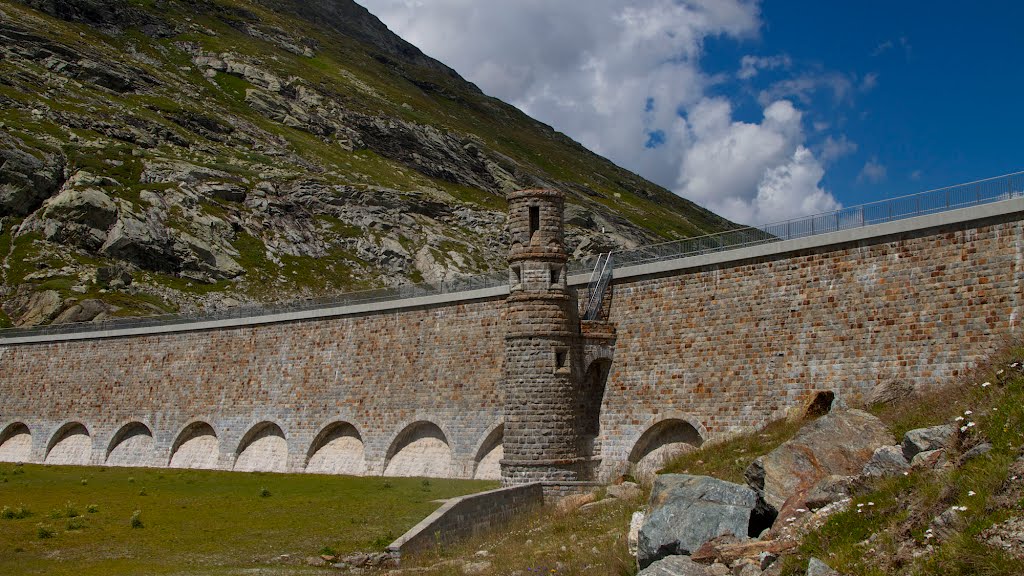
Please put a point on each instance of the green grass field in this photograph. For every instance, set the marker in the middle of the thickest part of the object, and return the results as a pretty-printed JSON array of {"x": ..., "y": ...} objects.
[{"x": 79, "y": 519}]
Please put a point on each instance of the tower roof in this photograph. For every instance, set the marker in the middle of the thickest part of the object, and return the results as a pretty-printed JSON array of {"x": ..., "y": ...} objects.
[{"x": 536, "y": 193}]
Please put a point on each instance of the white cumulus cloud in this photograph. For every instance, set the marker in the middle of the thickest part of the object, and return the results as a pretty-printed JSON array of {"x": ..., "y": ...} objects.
[
  {"x": 833, "y": 149},
  {"x": 873, "y": 172},
  {"x": 750, "y": 65},
  {"x": 624, "y": 79},
  {"x": 764, "y": 169}
]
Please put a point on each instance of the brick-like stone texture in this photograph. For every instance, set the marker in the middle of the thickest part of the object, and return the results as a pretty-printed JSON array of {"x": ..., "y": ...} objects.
[
  {"x": 380, "y": 373},
  {"x": 732, "y": 346},
  {"x": 712, "y": 351},
  {"x": 540, "y": 376}
]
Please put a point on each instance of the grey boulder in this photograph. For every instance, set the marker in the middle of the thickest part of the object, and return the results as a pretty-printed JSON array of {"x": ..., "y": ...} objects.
[
  {"x": 79, "y": 216},
  {"x": 27, "y": 175},
  {"x": 976, "y": 452},
  {"x": 928, "y": 439},
  {"x": 830, "y": 489},
  {"x": 674, "y": 566},
  {"x": 838, "y": 444},
  {"x": 687, "y": 511},
  {"x": 816, "y": 567},
  {"x": 624, "y": 491},
  {"x": 886, "y": 461},
  {"x": 930, "y": 460}
]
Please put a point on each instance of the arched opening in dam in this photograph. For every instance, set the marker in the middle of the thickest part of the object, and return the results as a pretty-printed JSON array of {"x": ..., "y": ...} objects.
[
  {"x": 488, "y": 458},
  {"x": 132, "y": 445},
  {"x": 71, "y": 444},
  {"x": 421, "y": 449},
  {"x": 337, "y": 449},
  {"x": 589, "y": 409},
  {"x": 262, "y": 449},
  {"x": 660, "y": 443},
  {"x": 195, "y": 447},
  {"x": 16, "y": 443}
]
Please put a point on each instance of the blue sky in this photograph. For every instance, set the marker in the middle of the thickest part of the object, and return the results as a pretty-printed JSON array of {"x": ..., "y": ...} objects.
[
  {"x": 758, "y": 111},
  {"x": 947, "y": 103}
]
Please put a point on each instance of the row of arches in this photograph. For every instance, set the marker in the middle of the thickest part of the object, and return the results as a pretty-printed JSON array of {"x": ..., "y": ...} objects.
[{"x": 421, "y": 449}]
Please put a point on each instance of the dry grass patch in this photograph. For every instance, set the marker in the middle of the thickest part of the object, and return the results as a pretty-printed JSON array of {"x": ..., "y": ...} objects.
[
  {"x": 168, "y": 521},
  {"x": 590, "y": 541}
]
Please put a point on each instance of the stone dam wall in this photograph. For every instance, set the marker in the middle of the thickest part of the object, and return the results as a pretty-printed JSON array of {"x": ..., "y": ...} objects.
[
  {"x": 409, "y": 392},
  {"x": 705, "y": 347}
]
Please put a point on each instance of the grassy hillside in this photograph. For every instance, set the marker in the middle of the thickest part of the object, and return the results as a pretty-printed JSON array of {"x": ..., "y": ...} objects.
[
  {"x": 224, "y": 150},
  {"x": 889, "y": 527},
  {"x": 78, "y": 520}
]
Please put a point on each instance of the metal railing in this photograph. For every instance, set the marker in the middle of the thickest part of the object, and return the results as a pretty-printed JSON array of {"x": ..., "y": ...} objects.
[
  {"x": 599, "y": 280},
  {"x": 930, "y": 202},
  {"x": 890, "y": 210},
  {"x": 462, "y": 284}
]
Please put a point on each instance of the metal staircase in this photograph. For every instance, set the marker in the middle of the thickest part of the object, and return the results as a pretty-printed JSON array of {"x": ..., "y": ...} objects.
[{"x": 598, "y": 285}]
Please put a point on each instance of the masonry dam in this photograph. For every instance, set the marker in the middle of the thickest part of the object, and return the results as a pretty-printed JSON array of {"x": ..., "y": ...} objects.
[{"x": 559, "y": 371}]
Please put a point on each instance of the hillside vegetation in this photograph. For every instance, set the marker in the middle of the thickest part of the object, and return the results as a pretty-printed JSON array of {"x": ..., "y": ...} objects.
[
  {"x": 181, "y": 155},
  {"x": 88, "y": 520},
  {"x": 895, "y": 525}
]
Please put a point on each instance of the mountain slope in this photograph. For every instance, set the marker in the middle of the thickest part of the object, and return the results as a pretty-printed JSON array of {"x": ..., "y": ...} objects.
[{"x": 172, "y": 155}]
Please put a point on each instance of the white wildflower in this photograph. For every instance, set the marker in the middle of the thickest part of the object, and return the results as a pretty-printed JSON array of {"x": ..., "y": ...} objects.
[
  {"x": 871, "y": 503},
  {"x": 986, "y": 384},
  {"x": 860, "y": 505},
  {"x": 963, "y": 428},
  {"x": 971, "y": 492},
  {"x": 968, "y": 412},
  {"x": 959, "y": 418},
  {"x": 970, "y": 424}
]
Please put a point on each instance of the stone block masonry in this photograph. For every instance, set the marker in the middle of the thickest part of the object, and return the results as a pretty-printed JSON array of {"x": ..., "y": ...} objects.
[
  {"x": 696, "y": 349},
  {"x": 265, "y": 394},
  {"x": 541, "y": 369},
  {"x": 724, "y": 347}
]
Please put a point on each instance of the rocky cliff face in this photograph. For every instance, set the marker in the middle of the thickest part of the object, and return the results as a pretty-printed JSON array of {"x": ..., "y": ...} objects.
[{"x": 173, "y": 155}]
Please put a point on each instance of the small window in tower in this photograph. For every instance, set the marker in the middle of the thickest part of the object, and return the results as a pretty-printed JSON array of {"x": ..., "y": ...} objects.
[
  {"x": 516, "y": 277},
  {"x": 556, "y": 275},
  {"x": 561, "y": 359},
  {"x": 534, "y": 220}
]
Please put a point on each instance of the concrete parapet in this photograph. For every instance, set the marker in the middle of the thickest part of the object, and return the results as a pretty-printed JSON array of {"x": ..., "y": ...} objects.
[{"x": 468, "y": 516}]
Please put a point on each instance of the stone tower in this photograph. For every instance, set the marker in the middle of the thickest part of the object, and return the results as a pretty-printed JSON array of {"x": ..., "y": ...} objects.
[{"x": 541, "y": 439}]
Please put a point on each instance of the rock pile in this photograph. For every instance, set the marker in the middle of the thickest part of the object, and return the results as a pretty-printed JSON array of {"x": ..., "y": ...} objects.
[{"x": 701, "y": 526}]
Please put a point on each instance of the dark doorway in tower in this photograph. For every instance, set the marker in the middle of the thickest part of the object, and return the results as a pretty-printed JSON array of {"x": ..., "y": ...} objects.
[{"x": 591, "y": 396}]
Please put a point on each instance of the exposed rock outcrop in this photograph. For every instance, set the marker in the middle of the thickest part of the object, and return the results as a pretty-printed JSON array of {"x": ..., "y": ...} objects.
[
  {"x": 27, "y": 175},
  {"x": 785, "y": 475},
  {"x": 928, "y": 439},
  {"x": 687, "y": 511},
  {"x": 886, "y": 461},
  {"x": 320, "y": 156},
  {"x": 674, "y": 566},
  {"x": 816, "y": 567},
  {"x": 80, "y": 215}
]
